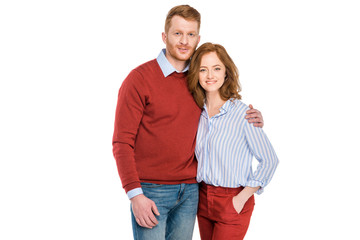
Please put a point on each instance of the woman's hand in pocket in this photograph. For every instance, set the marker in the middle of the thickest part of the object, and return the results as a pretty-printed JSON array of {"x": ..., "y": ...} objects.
[
  {"x": 238, "y": 203},
  {"x": 240, "y": 199}
]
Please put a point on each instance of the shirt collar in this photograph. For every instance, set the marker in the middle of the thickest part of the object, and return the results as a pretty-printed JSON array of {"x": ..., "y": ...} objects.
[
  {"x": 228, "y": 105},
  {"x": 166, "y": 66}
]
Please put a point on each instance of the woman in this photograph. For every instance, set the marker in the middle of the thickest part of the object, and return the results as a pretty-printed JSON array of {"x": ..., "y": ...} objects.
[{"x": 225, "y": 146}]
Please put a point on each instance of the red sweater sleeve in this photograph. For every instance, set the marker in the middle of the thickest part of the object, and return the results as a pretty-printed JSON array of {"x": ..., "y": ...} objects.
[{"x": 132, "y": 100}]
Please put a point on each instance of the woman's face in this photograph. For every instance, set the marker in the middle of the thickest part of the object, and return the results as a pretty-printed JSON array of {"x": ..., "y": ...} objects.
[{"x": 212, "y": 73}]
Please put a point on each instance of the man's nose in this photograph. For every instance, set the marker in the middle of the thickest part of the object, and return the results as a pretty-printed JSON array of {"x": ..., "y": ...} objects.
[{"x": 184, "y": 39}]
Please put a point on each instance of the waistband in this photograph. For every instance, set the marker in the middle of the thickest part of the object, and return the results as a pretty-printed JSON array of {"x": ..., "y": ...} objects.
[{"x": 218, "y": 189}]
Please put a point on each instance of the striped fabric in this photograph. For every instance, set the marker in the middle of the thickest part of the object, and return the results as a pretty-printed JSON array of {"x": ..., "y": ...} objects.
[{"x": 226, "y": 145}]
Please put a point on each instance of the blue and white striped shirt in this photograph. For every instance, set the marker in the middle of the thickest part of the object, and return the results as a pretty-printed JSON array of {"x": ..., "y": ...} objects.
[{"x": 225, "y": 146}]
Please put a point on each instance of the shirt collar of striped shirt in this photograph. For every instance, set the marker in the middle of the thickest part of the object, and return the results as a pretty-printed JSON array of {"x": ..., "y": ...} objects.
[
  {"x": 166, "y": 66},
  {"x": 227, "y": 107}
]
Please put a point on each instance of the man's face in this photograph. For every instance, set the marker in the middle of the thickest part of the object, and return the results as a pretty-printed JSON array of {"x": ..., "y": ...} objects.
[{"x": 181, "y": 40}]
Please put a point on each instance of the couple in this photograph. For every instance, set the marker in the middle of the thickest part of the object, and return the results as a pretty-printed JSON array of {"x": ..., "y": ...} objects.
[{"x": 159, "y": 128}]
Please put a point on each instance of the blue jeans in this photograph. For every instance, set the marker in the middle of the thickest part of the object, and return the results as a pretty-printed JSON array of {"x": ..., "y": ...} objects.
[{"x": 177, "y": 205}]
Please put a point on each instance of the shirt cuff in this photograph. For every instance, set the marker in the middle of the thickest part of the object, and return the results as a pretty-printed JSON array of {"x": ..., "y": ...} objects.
[
  {"x": 134, "y": 192},
  {"x": 255, "y": 183}
]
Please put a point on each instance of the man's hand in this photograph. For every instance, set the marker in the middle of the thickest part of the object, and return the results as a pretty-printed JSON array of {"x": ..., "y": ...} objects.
[
  {"x": 144, "y": 209},
  {"x": 254, "y": 116}
]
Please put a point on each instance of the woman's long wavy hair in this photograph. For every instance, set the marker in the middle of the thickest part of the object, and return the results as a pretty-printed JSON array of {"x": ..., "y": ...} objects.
[{"x": 231, "y": 86}]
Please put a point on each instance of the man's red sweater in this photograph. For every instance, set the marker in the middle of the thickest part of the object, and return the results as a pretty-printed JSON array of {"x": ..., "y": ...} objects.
[{"x": 155, "y": 128}]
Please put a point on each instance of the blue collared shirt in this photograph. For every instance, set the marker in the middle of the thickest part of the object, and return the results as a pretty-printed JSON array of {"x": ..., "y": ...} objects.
[
  {"x": 166, "y": 69},
  {"x": 166, "y": 66},
  {"x": 225, "y": 146}
]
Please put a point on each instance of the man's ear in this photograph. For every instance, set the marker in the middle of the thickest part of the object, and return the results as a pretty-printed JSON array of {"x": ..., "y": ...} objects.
[{"x": 163, "y": 35}]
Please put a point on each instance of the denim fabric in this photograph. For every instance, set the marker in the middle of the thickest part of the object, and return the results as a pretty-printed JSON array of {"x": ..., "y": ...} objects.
[{"x": 177, "y": 205}]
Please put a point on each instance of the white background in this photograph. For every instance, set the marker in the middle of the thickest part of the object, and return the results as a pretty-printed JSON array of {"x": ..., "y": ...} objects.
[{"x": 62, "y": 63}]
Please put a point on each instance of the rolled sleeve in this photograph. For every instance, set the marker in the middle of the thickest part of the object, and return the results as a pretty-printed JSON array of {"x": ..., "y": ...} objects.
[{"x": 263, "y": 151}]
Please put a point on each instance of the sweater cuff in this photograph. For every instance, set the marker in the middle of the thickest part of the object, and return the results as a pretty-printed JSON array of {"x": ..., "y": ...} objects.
[{"x": 131, "y": 186}]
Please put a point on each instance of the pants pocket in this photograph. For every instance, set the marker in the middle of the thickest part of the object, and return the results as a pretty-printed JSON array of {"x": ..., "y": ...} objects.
[
  {"x": 248, "y": 206},
  {"x": 232, "y": 207}
]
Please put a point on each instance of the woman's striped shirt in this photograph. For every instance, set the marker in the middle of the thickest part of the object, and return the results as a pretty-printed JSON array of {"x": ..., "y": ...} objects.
[{"x": 225, "y": 146}]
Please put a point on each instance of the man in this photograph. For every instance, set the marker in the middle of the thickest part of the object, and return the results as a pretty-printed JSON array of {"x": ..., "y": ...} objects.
[{"x": 154, "y": 137}]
